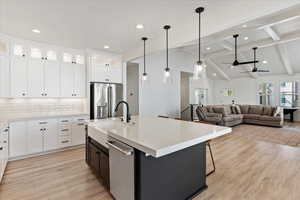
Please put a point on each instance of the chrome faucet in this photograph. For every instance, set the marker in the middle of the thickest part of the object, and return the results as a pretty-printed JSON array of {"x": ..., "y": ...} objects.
[{"x": 128, "y": 118}]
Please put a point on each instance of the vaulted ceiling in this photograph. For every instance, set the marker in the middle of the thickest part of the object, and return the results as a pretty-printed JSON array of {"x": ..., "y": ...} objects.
[
  {"x": 95, "y": 23},
  {"x": 277, "y": 37}
]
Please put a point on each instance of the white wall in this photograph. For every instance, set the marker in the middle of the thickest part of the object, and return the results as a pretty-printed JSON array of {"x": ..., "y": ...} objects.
[
  {"x": 157, "y": 97},
  {"x": 245, "y": 89}
]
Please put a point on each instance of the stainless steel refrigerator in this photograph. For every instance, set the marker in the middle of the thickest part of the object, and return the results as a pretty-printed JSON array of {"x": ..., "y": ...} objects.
[{"x": 103, "y": 100}]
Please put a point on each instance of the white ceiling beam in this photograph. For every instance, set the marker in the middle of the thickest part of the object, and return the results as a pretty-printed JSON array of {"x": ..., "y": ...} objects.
[
  {"x": 278, "y": 21},
  {"x": 227, "y": 45},
  {"x": 283, "y": 55},
  {"x": 218, "y": 69},
  {"x": 272, "y": 33},
  {"x": 290, "y": 37},
  {"x": 281, "y": 50}
]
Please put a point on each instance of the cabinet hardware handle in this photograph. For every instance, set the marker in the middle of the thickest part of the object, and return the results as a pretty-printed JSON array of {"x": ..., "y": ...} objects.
[
  {"x": 80, "y": 119},
  {"x": 106, "y": 79},
  {"x": 43, "y": 122},
  {"x": 46, "y": 58},
  {"x": 43, "y": 58},
  {"x": 6, "y": 130},
  {"x": 45, "y": 94},
  {"x": 65, "y": 141},
  {"x": 65, "y": 130},
  {"x": 80, "y": 124},
  {"x": 23, "y": 55},
  {"x": 125, "y": 152},
  {"x": 64, "y": 120},
  {"x": 23, "y": 94},
  {"x": 1, "y": 148},
  {"x": 4, "y": 141}
]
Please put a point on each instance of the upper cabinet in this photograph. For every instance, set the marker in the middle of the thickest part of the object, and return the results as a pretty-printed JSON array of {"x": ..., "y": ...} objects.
[
  {"x": 73, "y": 74},
  {"x": 106, "y": 68},
  {"x": 31, "y": 69},
  {"x": 4, "y": 68},
  {"x": 18, "y": 69}
]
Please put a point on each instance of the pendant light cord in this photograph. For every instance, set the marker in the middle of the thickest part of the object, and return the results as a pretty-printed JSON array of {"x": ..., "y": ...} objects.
[
  {"x": 254, "y": 56},
  {"x": 235, "y": 47},
  {"x": 199, "y": 37},
  {"x": 144, "y": 56},
  {"x": 167, "y": 44}
]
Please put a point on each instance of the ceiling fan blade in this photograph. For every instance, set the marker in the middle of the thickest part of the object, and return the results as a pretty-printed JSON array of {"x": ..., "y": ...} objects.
[
  {"x": 262, "y": 70},
  {"x": 248, "y": 62}
]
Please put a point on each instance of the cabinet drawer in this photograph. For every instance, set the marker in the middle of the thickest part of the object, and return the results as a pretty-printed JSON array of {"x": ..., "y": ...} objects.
[
  {"x": 64, "y": 141},
  {"x": 64, "y": 131}
]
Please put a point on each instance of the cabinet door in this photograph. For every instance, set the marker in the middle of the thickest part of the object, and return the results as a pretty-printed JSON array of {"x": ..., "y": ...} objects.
[
  {"x": 79, "y": 82},
  {"x": 115, "y": 74},
  {"x": 67, "y": 80},
  {"x": 5, "y": 147},
  {"x": 101, "y": 74},
  {"x": 4, "y": 76},
  {"x": 18, "y": 76},
  {"x": 104, "y": 168},
  {"x": 52, "y": 78},
  {"x": 17, "y": 139},
  {"x": 78, "y": 131},
  {"x": 35, "y": 136},
  {"x": 95, "y": 159},
  {"x": 51, "y": 135},
  {"x": 35, "y": 78}
]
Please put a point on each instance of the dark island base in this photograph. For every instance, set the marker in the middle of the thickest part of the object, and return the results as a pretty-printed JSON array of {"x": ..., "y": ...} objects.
[{"x": 178, "y": 176}]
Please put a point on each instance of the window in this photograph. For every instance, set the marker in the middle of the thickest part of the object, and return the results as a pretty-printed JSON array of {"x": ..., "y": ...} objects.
[
  {"x": 265, "y": 93},
  {"x": 289, "y": 94}
]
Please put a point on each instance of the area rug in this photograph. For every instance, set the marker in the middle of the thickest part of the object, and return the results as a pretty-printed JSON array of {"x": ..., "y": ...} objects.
[{"x": 288, "y": 135}]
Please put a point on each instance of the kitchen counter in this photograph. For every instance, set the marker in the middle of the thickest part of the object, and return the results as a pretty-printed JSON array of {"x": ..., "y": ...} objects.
[
  {"x": 150, "y": 156},
  {"x": 26, "y": 116},
  {"x": 158, "y": 136}
]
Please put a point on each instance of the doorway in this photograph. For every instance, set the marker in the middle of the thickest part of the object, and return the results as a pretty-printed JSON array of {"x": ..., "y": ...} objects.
[{"x": 132, "y": 85}]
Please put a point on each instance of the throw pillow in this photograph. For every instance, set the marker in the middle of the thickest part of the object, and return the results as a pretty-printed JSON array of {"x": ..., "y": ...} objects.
[
  {"x": 233, "y": 109},
  {"x": 238, "y": 109},
  {"x": 277, "y": 112},
  {"x": 244, "y": 109},
  {"x": 267, "y": 110}
]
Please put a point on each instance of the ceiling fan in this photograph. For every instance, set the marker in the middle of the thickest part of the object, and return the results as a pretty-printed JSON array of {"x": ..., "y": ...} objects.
[
  {"x": 255, "y": 69},
  {"x": 236, "y": 62}
]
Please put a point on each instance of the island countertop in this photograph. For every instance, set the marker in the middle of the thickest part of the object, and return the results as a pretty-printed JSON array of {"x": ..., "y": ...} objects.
[{"x": 158, "y": 136}]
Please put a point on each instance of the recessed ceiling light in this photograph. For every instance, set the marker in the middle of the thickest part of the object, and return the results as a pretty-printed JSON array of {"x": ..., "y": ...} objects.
[
  {"x": 36, "y": 31},
  {"x": 265, "y": 62},
  {"x": 208, "y": 48},
  {"x": 214, "y": 74},
  {"x": 245, "y": 26},
  {"x": 246, "y": 38},
  {"x": 106, "y": 47},
  {"x": 139, "y": 26}
]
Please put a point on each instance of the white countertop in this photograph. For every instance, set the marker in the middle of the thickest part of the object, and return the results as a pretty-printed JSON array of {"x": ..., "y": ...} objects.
[
  {"x": 28, "y": 116},
  {"x": 158, "y": 136}
]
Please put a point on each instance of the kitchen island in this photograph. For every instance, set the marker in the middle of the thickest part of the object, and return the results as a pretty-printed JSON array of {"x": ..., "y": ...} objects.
[{"x": 152, "y": 158}]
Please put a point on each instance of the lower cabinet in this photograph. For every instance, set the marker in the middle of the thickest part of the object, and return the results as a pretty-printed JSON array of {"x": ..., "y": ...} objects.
[
  {"x": 97, "y": 157},
  {"x": 37, "y": 136},
  {"x": 3, "y": 150}
]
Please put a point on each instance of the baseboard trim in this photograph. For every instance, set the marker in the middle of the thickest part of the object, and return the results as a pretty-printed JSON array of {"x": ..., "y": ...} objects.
[{"x": 45, "y": 152}]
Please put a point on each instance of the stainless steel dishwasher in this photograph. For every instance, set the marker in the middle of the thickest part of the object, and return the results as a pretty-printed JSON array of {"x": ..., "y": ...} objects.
[{"x": 121, "y": 164}]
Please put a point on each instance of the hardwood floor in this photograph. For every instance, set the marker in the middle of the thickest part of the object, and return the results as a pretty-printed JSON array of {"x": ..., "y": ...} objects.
[{"x": 246, "y": 169}]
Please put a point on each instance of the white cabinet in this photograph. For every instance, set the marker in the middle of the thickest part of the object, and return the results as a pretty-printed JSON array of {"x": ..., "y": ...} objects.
[
  {"x": 73, "y": 75},
  {"x": 50, "y": 135},
  {"x": 18, "y": 139},
  {"x": 35, "y": 137},
  {"x": 4, "y": 76},
  {"x": 106, "y": 69},
  {"x": 42, "y": 135},
  {"x": 4, "y": 68},
  {"x": 18, "y": 73},
  {"x": 78, "y": 130},
  {"x": 3, "y": 150},
  {"x": 65, "y": 132},
  {"x": 43, "y": 72}
]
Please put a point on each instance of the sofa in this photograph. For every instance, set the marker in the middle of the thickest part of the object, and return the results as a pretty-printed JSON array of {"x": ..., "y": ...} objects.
[{"x": 232, "y": 115}]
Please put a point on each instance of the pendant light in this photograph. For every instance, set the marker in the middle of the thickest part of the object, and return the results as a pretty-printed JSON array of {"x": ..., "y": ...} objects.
[
  {"x": 167, "y": 69},
  {"x": 144, "y": 77},
  {"x": 198, "y": 67}
]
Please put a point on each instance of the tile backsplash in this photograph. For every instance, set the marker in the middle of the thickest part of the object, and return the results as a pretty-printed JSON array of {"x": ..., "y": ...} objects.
[{"x": 35, "y": 106}]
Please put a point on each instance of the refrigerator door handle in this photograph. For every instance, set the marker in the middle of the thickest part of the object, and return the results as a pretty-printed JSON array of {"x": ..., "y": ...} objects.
[{"x": 109, "y": 101}]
